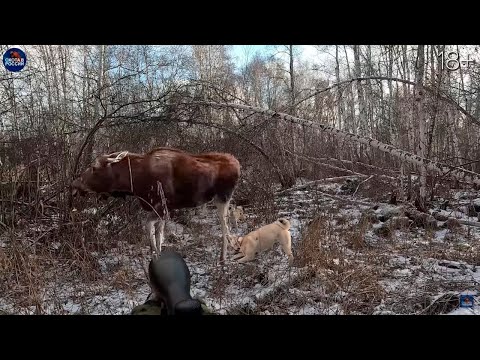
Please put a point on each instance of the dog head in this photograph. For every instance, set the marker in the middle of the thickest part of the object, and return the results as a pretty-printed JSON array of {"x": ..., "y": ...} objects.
[
  {"x": 237, "y": 212},
  {"x": 284, "y": 223}
]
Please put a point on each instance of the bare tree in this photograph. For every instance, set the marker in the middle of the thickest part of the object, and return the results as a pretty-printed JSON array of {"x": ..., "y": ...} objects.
[{"x": 420, "y": 116}]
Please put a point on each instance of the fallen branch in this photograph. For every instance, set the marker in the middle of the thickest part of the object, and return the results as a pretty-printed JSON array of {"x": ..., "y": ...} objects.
[
  {"x": 467, "y": 222},
  {"x": 313, "y": 161},
  {"x": 458, "y": 173},
  {"x": 440, "y": 216},
  {"x": 29, "y": 204},
  {"x": 328, "y": 166},
  {"x": 304, "y": 186},
  {"x": 355, "y": 163},
  {"x": 315, "y": 182},
  {"x": 431, "y": 219},
  {"x": 420, "y": 218},
  {"x": 361, "y": 184},
  {"x": 345, "y": 199}
]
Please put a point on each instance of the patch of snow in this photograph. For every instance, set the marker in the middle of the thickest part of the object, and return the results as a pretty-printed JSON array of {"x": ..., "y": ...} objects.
[
  {"x": 308, "y": 310},
  {"x": 398, "y": 260},
  {"x": 390, "y": 285},
  {"x": 351, "y": 212},
  {"x": 248, "y": 301},
  {"x": 476, "y": 274},
  {"x": 329, "y": 187},
  {"x": 118, "y": 302},
  {"x": 334, "y": 310},
  {"x": 90, "y": 211},
  {"x": 462, "y": 195},
  {"x": 466, "y": 311},
  {"x": 402, "y": 272},
  {"x": 72, "y": 308},
  {"x": 339, "y": 295},
  {"x": 440, "y": 234},
  {"x": 113, "y": 218}
]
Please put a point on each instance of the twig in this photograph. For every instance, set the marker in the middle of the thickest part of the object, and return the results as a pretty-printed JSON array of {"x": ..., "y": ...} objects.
[
  {"x": 164, "y": 200},
  {"x": 344, "y": 199},
  {"x": 362, "y": 183},
  {"x": 75, "y": 223},
  {"x": 130, "y": 171},
  {"x": 315, "y": 182},
  {"x": 28, "y": 204},
  {"x": 344, "y": 169}
]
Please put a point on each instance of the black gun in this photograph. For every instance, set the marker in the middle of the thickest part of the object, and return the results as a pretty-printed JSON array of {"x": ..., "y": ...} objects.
[{"x": 170, "y": 281}]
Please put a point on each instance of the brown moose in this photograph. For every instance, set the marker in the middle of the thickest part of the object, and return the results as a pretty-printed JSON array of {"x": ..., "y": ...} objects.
[{"x": 165, "y": 179}]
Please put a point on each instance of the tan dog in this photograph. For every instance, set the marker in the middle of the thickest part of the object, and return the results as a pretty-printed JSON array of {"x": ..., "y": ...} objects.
[
  {"x": 263, "y": 239},
  {"x": 236, "y": 215}
]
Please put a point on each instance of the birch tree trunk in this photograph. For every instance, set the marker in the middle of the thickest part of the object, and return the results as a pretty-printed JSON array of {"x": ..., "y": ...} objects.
[
  {"x": 420, "y": 115},
  {"x": 368, "y": 95},
  {"x": 362, "y": 118},
  {"x": 436, "y": 85},
  {"x": 397, "y": 141},
  {"x": 361, "y": 101},
  {"x": 351, "y": 125},
  {"x": 294, "y": 161},
  {"x": 390, "y": 89},
  {"x": 339, "y": 91},
  {"x": 451, "y": 123},
  {"x": 98, "y": 95}
]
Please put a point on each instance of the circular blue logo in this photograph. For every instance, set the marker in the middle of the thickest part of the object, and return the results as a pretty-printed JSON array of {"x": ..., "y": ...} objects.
[{"x": 14, "y": 59}]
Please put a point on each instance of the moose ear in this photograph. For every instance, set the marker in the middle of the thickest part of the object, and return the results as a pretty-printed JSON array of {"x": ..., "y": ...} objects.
[{"x": 119, "y": 157}]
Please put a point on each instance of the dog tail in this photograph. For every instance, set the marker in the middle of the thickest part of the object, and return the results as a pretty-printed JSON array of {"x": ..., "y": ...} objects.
[{"x": 285, "y": 223}]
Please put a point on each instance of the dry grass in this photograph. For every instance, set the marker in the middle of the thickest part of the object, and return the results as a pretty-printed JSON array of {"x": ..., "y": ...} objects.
[
  {"x": 39, "y": 259},
  {"x": 350, "y": 284},
  {"x": 355, "y": 234}
]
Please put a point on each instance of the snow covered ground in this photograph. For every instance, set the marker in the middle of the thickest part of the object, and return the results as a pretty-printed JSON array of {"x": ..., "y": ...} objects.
[{"x": 358, "y": 269}]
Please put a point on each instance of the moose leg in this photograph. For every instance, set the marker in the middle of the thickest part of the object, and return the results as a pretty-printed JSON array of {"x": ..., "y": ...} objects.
[
  {"x": 222, "y": 208},
  {"x": 150, "y": 229},
  {"x": 159, "y": 234}
]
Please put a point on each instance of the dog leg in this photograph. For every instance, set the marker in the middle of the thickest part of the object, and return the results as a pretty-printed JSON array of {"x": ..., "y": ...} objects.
[
  {"x": 287, "y": 247},
  {"x": 159, "y": 233},
  {"x": 245, "y": 259},
  {"x": 237, "y": 256},
  {"x": 150, "y": 229}
]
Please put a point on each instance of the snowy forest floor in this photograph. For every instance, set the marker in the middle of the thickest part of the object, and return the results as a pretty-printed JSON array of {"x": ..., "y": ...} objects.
[{"x": 350, "y": 258}]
